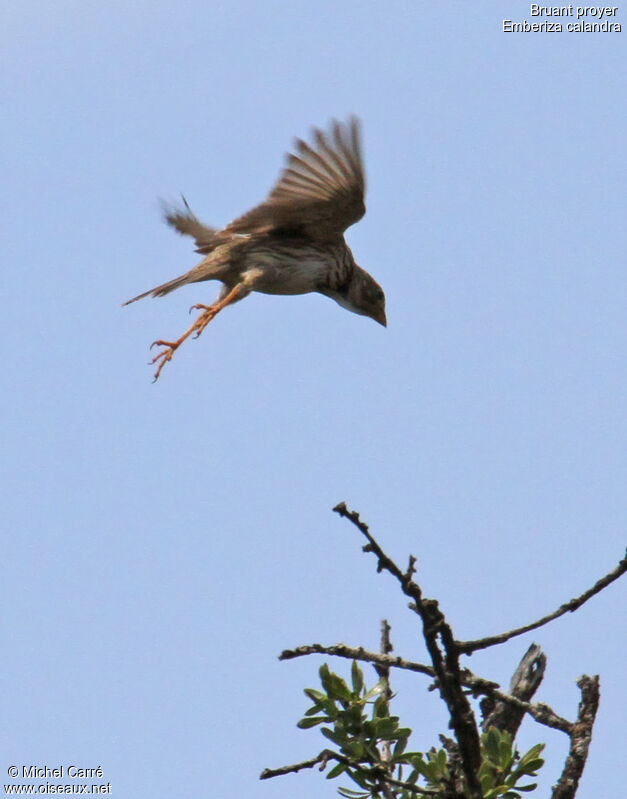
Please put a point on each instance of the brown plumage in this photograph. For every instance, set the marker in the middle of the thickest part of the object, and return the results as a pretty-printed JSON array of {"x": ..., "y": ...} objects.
[{"x": 292, "y": 243}]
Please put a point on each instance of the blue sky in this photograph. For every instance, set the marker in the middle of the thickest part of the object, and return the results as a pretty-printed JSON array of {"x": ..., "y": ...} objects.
[{"x": 163, "y": 543}]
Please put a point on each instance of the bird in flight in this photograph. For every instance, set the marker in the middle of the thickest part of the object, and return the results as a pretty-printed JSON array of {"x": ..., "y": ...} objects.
[{"x": 292, "y": 243}]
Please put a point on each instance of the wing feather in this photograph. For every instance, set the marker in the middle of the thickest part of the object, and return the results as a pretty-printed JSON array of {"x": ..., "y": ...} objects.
[{"x": 320, "y": 191}]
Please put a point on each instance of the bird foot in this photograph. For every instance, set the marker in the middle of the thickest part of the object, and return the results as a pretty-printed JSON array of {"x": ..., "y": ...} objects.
[
  {"x": 208, "y": 312},
  {"x": 170, "y": 346},
  {"x": 164, "y": 356}
]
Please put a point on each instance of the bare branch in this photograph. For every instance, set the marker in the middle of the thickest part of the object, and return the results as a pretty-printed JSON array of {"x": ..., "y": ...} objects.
[
  {"x": 357, "y": 653},
  {"x": 468, "y": 647},
  {"x": 323, "y": 759},
  {"x": 384, "y": 674},
  {"x": 446, "y": 666},
  {"x": 581, "y": 735},
  {"x": 542, "y": 713}
]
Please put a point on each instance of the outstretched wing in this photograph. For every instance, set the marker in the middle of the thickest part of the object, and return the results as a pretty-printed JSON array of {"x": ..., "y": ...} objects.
[
  {"x": 320, "y": 191},
  {"x": 187, "y": 224}
]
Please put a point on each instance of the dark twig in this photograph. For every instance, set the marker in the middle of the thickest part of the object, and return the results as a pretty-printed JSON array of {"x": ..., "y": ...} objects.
[
  {"x": 357, "y": 653},
  {"x": 384, "y": 674},
  {"x": 524, "y": 683},
  {"x": 446, "y": 666},
  {"x": 323, "y": 759},
  {"x": 385, "y": 649},
  {"x": 581, "y": 734},
  {"x": 468, "y": 647},
  {"x": 542, "y": 713}
]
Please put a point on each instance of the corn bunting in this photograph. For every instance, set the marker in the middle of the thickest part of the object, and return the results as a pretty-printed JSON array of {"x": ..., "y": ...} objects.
[{"x": 292, "y": 243}]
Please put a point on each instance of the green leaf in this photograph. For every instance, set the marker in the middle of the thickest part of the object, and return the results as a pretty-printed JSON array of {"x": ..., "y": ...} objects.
[
  {"x": 352, "y": 794},
  {"x": 490, "y": 741},
  {"x": 357, "y": 678},
  {"x": 531, "y": 767},
  {"x": 330, "y": 708},
  {"x": 375, "y": 690},
  {"x": 429, "y": 771},
  {"x": 485, "y": 768},
  {"x": 413, "y": 776},
  {"x": 505, "y": 754},
  {"x": 339, "y": 689},
  {"x": 313, "y": 710},
  {"x": 534, "y": 751},
  {"x": 338, "y": 769},
  {"x": 529, "y": 757},
  {"x": 315, "y": 696},
  {"x": 525, "y": 788},
  {"x": 305, "y": 724},
  {"x": 324, "y": 673},
  {"x": 383, "y": 728},
  {"x": 380, "y": 709},
  {"x": 486, "y": 780},
  {"x": 399, "y": 747},
  {"x": 409, "y": 758},
  {"x": 507, "y": 737},
  {"x": 498, "y": 791},
  {"x": 337, "y": 737},
  {"x": 354, "y": 749},
  {"x": 333, "y": 684}
]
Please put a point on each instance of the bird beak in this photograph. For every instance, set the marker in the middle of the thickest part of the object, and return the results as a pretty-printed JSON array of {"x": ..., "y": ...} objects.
[{"x": 380, "y": 318}]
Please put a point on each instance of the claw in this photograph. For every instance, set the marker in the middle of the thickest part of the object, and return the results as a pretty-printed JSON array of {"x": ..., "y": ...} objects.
[
  {"x": 160, "y": 343},
  {"x": 200, "y": 307}
]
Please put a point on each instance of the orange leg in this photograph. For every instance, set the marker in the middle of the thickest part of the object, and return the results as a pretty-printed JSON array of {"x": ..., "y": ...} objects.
[{"x": 199, "y": 325}]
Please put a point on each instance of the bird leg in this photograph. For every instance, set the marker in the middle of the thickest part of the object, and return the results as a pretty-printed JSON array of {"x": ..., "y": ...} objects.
[{"x": 209, "y": 311}]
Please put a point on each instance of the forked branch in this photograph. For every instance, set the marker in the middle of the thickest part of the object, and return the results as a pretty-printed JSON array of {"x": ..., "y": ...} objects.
[{"x": 503, "y": 711}]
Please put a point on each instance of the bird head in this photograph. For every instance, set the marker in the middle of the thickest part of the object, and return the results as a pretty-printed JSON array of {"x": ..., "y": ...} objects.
[{"x": 365, "y": 296}]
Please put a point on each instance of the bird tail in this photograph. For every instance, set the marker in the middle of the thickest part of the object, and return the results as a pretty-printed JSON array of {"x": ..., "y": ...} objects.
[
  {"x": 164, "y": 288},
  {"x": 187, "y": 224}
]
